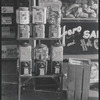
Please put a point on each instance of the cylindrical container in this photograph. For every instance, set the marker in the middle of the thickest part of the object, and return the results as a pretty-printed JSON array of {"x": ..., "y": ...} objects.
[
  {"x": 39, "y": 15},
  {"x": 22, "y": 15},
  {"x": 39, "y": 31},
  {"x": 26, "y": 68},
  {"x": 25, "y": 52},
  {"x": 23, "y": 31},
  {"x": 41, "y": 67},
  {"x": 57, "y": 52},
  {"x": 56, "y": 67},
  {"x": 41, "y": 52},
  {"x": 54, "y": 31}
]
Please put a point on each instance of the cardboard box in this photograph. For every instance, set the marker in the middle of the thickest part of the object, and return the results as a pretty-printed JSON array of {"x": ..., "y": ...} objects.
[
  {"x": 9, "y": 51},
  {"x": 6, "y": 20},
  {"x": 5, "y": 9}
]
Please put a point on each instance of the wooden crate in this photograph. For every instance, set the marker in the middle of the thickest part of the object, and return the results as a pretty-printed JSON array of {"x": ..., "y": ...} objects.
[{"x": 78, "y": 81}]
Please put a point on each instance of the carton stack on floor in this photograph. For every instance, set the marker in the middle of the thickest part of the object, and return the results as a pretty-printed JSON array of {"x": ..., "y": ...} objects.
[{"x": 78, "y": 79}]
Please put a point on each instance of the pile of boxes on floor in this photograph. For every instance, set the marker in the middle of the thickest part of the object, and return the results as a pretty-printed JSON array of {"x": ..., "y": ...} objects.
[{"x": 47, "y": 13}]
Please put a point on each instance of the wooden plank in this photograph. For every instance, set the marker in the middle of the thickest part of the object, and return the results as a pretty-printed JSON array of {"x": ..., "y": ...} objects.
[
  {"x": 86, "y": 80},
  {"x": 78, "y": 82},
  {"x": 71, "y": 81},
  {"x": 70, "y": 95}
]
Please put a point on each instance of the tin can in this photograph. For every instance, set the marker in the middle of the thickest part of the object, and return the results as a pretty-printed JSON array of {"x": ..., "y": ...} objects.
[
  {"x": 39, "y": 15},
  {"x": 25, "y": 52},
  {"x": 41, "y": 52},
  {"x": 39, "y": 31},
  {"x": 22, "y": 15},
  {"x": 54, "y": 31},
  {"x": 23, "y": 31},
  {"x": 57, "y": 52}
]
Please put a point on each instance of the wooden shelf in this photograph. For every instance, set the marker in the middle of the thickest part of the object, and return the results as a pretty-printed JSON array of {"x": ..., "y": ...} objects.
[
  {"x": 79, "y": 20},
  {"x": 41, "y": 76},
  {"x": 22, "y": 39},
  {"x": 7, "y": 59}
]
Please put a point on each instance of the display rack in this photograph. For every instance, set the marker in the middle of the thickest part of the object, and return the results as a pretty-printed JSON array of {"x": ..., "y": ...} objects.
[{"x": 32, "y": 42}]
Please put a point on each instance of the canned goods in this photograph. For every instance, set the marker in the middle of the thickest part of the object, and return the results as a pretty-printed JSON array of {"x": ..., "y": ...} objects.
[
  {"x": 41, "y": 52},
  {"x": 25, "y": 52},
  {"x": 23, "y": 31},
  {"x": 22, "y": 15},
  {"x": 54, "y": 31},
  {"x": 39, "y": 31},
  {"x": 57, "y": 52},
  {"x": 39, "y": 15}
]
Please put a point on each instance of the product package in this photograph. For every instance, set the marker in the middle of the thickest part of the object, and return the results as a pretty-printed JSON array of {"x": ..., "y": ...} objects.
[
  {"x": 39, "y": 31},
  {"x": 54, "y": 13},
  {"x": 26, "y": 68},
  {"x": 23, "y": 31},
  {"x": 25, "y": 52},
  {"x": 9, "y": 51},
  {"x": 6, "y": 20},
  {"x": 22, "y": 15},
  {"x": 57, "y": 53},
  {"x": 41, "y": 67},
  {"x": 6, "y": 9},
  {"x": 39, "y": 15},
  {"x": 41, "y": 52},
  {"x": 54, "y": 31},
  {"x": 8, "y": 32}
]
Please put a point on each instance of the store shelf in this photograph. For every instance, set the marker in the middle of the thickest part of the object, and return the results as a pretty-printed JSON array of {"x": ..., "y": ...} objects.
[
  {"x": 42, "y": 76},
  {"x": 7, "y": 59},
  {"x": 22, "y": 39},
  {"x": 64, "y": 20}
]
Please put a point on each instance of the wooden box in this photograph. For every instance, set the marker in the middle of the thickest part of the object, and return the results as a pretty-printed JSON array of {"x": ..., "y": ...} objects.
[{"x": 78, "y": 79}]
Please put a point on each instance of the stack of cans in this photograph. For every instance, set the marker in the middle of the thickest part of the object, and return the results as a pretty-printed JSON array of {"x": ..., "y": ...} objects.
[
  {"x": 39, "y": 21},
  {"x": 23, "y": 20}
]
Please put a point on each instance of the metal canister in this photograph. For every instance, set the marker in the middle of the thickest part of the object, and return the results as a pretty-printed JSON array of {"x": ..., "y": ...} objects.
[
  {"x": 23, "y": 31},
  {"x": 39, "y": 31},
  {"x": 22, "y": 15},
  {"x": 39, "y": 15},
  {"x": 57, "y": 52},
  {"x": 54, "y": 31},
  {"x": 41, "y": 52},
  {"x": 25, "y": 52}
]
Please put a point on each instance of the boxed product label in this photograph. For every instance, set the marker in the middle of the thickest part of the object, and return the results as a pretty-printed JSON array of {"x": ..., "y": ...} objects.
[
  {"x": 54, "y": 31},
  {"x": 23, "y": 31},
  {"x": 6, "y": 20},
  {"x": 39, "y": 15},
  {"x": 5, "y": 9},
  {"x": 39, "y": 31},
  {"x": 8, "y": 31},
  {"x": 25, "y": 53},
  {"x": 57, "y": 53},
  {"x": 9, "y": 51}
]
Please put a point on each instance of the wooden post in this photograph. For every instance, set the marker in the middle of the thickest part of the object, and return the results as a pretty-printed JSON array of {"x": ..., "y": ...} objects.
[
  {"x": 78, "y": 82},
  {"x": 86, "y": 82}
]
